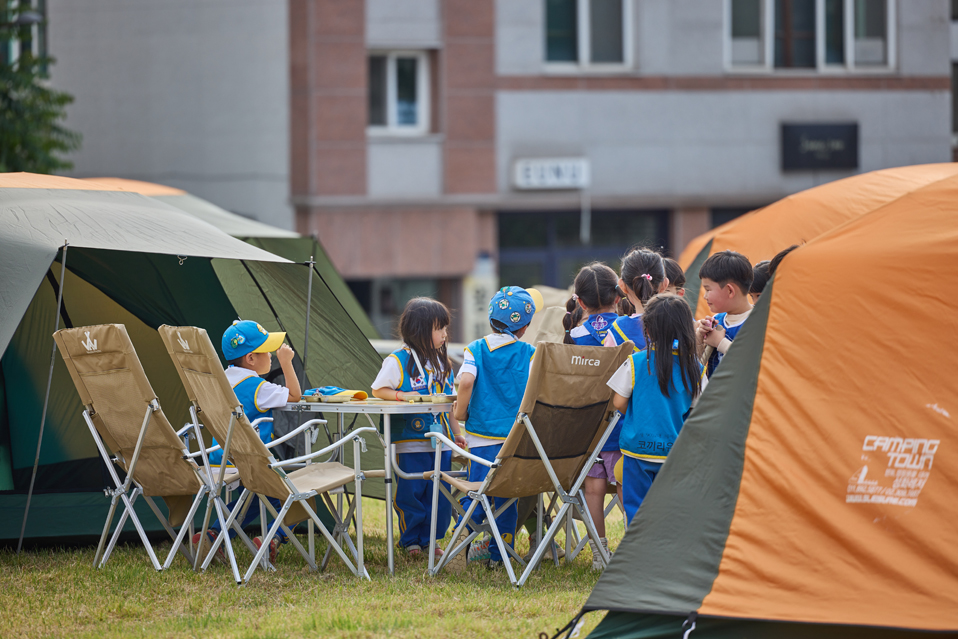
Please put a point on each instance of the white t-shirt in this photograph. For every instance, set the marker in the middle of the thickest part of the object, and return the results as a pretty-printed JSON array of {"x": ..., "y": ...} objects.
[
  {"x": 390, "y": 376},
  {"x": 268, "y": 395},
  {"x": 494, "y": 340},
  {"x": 621, "y": 381}
]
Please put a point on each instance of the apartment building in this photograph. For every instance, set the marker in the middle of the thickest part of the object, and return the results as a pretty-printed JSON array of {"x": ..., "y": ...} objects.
[{"x": 436, "y": 142}]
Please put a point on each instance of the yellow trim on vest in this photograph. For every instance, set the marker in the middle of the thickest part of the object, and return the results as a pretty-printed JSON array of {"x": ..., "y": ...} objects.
[
  {"x": 514, "y": 341},
  {"x": 635, "y": 349},
  {"x": 402, "y": 372},
  {"x": 255, "y": 393},
  {"x": 637, "y": 456},
  {"x": 497, "y": 439}
]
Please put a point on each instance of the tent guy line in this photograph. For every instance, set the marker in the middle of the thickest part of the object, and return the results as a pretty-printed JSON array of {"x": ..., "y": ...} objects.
[{"x": 46, "y": 398}]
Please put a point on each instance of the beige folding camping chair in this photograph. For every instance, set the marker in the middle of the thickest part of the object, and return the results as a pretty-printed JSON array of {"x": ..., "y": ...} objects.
[
  {"x": 123, "y": 415},
  {"x": 565, "y": 418},
  {"x": 216, "y": 405}
]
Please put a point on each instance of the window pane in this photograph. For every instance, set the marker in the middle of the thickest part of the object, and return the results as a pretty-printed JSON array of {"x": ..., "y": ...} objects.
[
  {"x": 834, "y": 32},
  {"x": 795, "y": 33},
  {"x": 622, "y": 229},
  {"x": 746, "y": 18},
  {"x": 562, "y": 36},
  {"x": 605, "y": 20},
  {"x": 568, "y": 228},
  {"x": 523, "y": 230},
  {"x": 377, "y": 90},
  {"x": 870, "y": 30},
  {"x": 747, "y": 32},
  {"x": 524, "y": 273},
  {"x": 406, "y": 107}
]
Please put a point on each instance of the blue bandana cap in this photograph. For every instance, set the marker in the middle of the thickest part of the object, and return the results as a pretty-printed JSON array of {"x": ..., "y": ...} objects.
[{"x": 513, "y": 307}]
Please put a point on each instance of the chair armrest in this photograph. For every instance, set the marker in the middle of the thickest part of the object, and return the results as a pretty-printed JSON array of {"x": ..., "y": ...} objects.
[
  {"x": 295, "y": 432},
  {"x": 465, "y": 453},
  {"x": 211, "y": 449},
  {"x": 353, "y": 435},
  {"x": 183, "y": 430},
  {"x": 255, "y": 422}
]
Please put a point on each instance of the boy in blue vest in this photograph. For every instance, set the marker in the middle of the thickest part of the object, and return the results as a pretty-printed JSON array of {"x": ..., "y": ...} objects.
[
  {"x": 492, "y": 381},
  {"x": 247, "y": 347},
  {"x": 726, "y": 279}
]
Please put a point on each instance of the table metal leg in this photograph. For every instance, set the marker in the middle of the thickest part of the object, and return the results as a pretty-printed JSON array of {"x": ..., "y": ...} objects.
[
  {"x": 340, "y": 422},
  {"x": 387, "y": 439}
]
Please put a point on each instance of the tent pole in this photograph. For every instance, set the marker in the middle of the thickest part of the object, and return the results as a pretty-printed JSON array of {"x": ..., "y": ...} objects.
[
  {"x": 309, "y": 305},
  {"x": 46, "y": 398}
]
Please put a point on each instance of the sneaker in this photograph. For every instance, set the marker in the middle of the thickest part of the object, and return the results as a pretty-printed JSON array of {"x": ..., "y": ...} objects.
[
  {"x": 597, "y": 563},
  {"x": 273, "y": 547},
  {"x": 494, "y": 564},
  {"x": 413, "y": 550},
  {"x": 459, "y": 562},
  {"x": 479, "y": 550},
  {"x": 203, "y": 549}
]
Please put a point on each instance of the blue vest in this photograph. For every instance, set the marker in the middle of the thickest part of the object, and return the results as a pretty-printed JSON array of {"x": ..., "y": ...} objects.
[
  {"x": 653, "y": 421},
  {"x": 413, "y": 428},
  {"x": 598, "y": 326},
  {"x": 246, "y": 393},
  {"x": 500, "y": 383},
  {"x": 730, "y": 333},
  {"x": 626, "y": 329}
]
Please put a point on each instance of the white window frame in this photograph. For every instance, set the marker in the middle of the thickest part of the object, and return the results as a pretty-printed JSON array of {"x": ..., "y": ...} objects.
[
  {"x": 391, "y": 128},
  {"x": 584, "y": 44},
  {"x": 768, "y": 42}
]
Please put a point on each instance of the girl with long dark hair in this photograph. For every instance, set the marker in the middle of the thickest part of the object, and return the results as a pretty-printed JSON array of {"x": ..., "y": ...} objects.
[{"x": 655, "y": 389}]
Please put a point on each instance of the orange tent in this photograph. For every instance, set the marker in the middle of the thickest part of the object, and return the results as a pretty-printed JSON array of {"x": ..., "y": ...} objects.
[
  {"x": 812, "y": 490},
  {"x": 804, "y": 216}
]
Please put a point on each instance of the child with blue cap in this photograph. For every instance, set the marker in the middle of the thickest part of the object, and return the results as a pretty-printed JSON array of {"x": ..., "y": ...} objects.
[
  {"x": 247, "y": 347},
  {"x": 492, "y": 381}
]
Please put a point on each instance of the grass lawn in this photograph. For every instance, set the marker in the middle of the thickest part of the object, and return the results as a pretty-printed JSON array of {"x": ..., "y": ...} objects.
[{"x": 48, "y": 593}]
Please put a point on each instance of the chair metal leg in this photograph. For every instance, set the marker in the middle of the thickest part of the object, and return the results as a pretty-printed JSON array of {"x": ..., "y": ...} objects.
[
  {"x": 106, "y": 531},
  {"x": 590, "y": 527},
  {"x": 552, "y": 531},
  {"x": 497, "y": 538},
  {"x": 329, "y": 537},
  {"x": 264, "y": 547}
]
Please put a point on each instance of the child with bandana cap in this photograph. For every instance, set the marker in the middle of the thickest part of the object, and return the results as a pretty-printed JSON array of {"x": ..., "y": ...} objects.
[{"x": 492, "y": 381}]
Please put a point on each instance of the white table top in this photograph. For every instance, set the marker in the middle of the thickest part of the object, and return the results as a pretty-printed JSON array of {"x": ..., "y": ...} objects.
[{"x": 376, "y": 408}]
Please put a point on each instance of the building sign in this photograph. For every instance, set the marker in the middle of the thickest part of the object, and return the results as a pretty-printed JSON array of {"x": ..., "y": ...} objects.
[
  {"x": 811, "y": 147},
  {"x": 551, "y": 173}
]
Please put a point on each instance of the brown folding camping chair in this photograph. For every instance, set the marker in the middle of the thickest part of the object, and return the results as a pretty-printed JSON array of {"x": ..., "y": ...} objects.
[
  {"x": 123, "y": 415},
  {"x": 216, "y": 406},
  {"x": 565, "y": 418}
]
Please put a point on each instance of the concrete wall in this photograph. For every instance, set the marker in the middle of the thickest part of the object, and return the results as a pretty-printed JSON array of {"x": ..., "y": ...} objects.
[
  {"x": 711, "y": 147},
  {"x": 191, "y": 94},
  {"x": 404, "y": 167},
  {"x": 395, "y": 24}
]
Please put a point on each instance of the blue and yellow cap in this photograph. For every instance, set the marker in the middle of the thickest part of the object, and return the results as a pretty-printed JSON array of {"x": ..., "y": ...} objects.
[
  {"x": 246, "y": 336},
  {"x": 514, "y": 306}
]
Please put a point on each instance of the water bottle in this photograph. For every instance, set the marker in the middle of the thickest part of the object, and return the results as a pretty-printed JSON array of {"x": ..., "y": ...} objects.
[{"x": 435, "y": 427}]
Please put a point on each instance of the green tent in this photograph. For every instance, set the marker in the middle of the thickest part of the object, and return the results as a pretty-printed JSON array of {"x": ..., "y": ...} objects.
[
  {"x": 293, "y": 246},
  {"x": 136, "y": 261}
]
